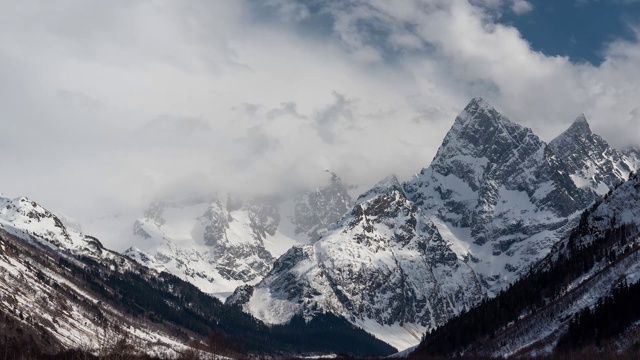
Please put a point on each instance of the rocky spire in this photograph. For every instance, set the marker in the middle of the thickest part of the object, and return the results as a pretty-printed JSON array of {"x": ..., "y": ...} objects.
[{"x": 591, "y": 162}]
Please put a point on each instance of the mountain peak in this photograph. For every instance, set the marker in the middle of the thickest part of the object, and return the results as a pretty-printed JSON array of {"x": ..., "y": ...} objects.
[
  {"x": 579, "y": 131},
  {"x": 581, "y": 119},
  {"x": 479, "y": 112},
  {"x": 334, "y": 177},
  {"x": 581, "y": 125},
  {"x": 477, "y": 108},
  {"x": 591, "y": 162},
  {"x": 384, "y": 186},
  {"x": 389, "y": 181},
  {"x": 478, "y": 102},
  {"x": 481, "y": 131}
]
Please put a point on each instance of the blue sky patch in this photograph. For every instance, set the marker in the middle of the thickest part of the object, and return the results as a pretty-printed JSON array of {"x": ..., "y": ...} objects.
[{"x": 579, "y": 29}]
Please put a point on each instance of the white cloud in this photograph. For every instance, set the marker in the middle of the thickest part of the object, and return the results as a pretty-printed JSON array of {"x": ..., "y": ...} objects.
[
  {"x": 521, "y": 7},
  {"x": 107, "y": 105}
]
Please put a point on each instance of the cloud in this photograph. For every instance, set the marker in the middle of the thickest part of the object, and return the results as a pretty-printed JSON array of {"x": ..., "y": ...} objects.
[
  {"x": 259, "y": 142},
  {"x": 292, "y": 11},
  {"x": 286, "y": 108},
  {"x": 328, "y": 118},
  {"x": 106, "y": 106},
  {"x": 521, "y": 7}
]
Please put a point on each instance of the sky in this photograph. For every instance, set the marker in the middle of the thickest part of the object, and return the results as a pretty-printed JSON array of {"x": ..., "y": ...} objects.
[
  {"x": 108, "y": 105},
  {"x": 580, "y": 30}
]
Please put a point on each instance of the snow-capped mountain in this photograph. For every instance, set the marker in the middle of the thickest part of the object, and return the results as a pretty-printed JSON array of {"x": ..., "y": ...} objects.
[
  {"x": 385, "y": 267},
  {"x": 407, "y": 257},
  {"x": 40, "y": 294},
  {"x": 220, "y": 244},
  {"x": 592, "y": 163},
  {"x": 500, "y": 191},
  {"x": 599, "y": 258},
  {"x": 27, "y": 219},
  {"x": 62, "y": 290}
]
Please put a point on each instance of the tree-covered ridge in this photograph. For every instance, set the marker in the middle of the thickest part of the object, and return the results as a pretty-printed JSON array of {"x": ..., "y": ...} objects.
[
  {"x": 611, "y": 316},
  {"x": 167, "y": 298}
]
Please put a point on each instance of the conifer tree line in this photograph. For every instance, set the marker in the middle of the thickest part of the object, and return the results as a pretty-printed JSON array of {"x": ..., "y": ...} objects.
[{"x": 610, "y": 317}]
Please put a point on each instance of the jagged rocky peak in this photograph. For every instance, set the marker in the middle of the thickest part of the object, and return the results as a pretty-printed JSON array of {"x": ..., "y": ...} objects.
[
  {"x": 476, "y": 106},
  {"x": 483, "y": 141},
  {"x": 483, "y": 152},
  {"x": 580, "y": 124},
  {"x": 500, "y": 189},
  {"x": 315, "y": 211},
  {"x": 385, "y": 203},
  {"x": 591, "y": 162},
  {"x": 579, "y": 129},
  {"x": 385, "y": 267},
  {"x": 480, "y": 125}
]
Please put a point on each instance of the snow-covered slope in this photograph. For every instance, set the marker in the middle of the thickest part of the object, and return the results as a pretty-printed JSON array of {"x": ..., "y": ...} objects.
[
  {"x": 385, "y": 267},
  {"x": 592, "y": 163},
  {"x": 407, "y": 257},
  {"x": 41, "y": 297},
  {"x": 28, "y": 220},
  {"x": 220, "y": 244}
]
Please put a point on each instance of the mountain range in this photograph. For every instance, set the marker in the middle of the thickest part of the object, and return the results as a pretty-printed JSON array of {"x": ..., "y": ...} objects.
[
  {"x": 409, "y": 256},
  {"x": 498, "y": 217},
  {"x": 64, "y": 291}
]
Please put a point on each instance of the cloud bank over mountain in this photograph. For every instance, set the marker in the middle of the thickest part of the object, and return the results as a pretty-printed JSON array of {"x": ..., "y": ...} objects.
[{"x": 112, "y": 104}]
